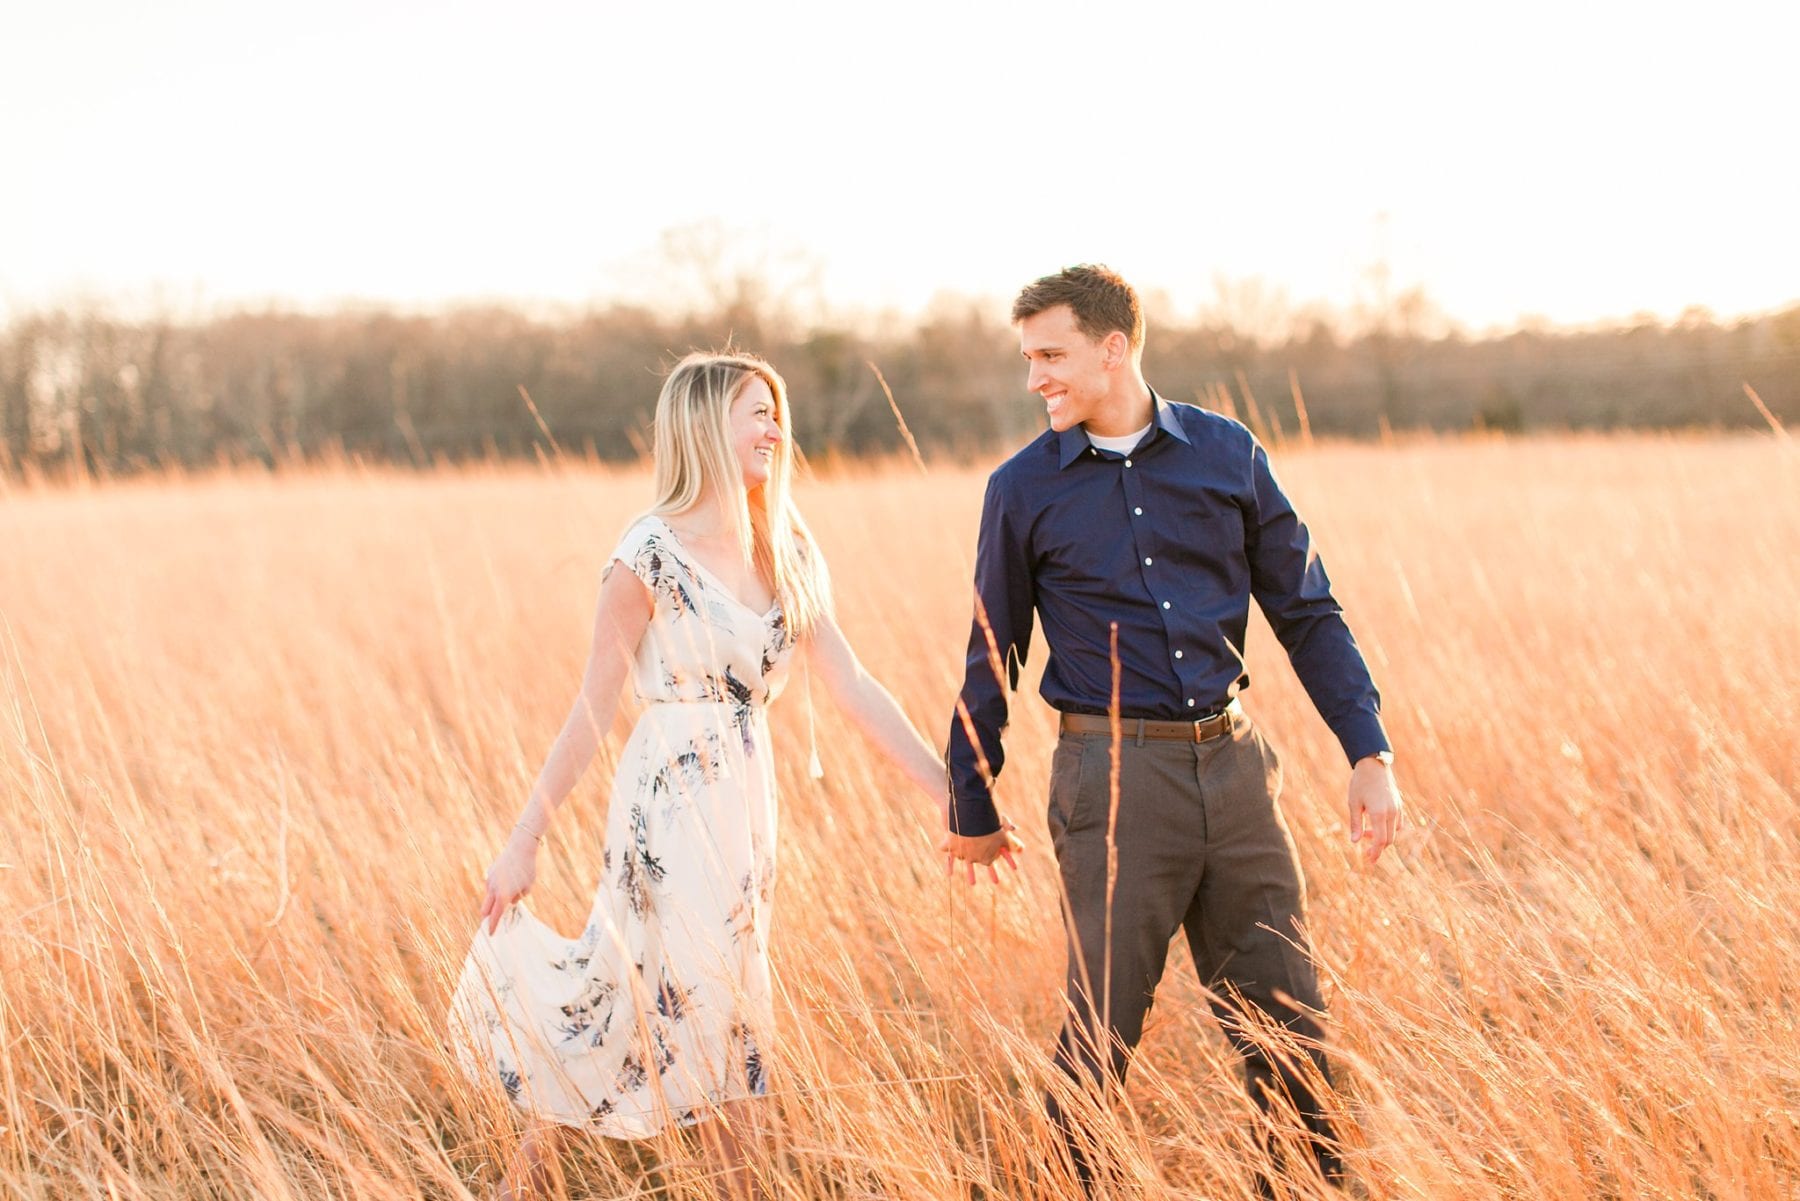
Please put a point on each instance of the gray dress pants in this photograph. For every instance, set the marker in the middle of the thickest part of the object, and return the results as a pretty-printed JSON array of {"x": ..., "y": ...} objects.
[{"x": 1202, "y": 849}]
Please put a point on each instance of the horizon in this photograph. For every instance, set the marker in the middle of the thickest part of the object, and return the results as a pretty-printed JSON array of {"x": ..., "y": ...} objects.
[{"x": 1290, "y": 321}]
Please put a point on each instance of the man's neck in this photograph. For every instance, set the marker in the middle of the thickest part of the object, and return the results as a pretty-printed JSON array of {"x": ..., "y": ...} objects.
[{"x": 1127, "y": 411}]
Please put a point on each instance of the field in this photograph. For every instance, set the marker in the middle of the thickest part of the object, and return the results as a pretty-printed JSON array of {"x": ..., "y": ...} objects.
[{"x": 261, "y": 735}]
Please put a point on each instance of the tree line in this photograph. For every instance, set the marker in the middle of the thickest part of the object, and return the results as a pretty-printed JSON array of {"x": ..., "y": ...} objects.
[{"x": 97, "y": 393}]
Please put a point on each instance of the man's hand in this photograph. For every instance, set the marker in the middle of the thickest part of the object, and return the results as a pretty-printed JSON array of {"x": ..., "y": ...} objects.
[
  {"x": 1376, "y": 810},
  {"x": 982, "y": 851}
]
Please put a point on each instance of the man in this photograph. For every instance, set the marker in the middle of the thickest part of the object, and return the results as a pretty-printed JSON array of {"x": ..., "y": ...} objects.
[{"x": 1155, "y": 524}]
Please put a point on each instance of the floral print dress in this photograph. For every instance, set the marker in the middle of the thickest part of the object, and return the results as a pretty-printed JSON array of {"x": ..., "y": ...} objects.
[{"x": 659, "y": 1010}]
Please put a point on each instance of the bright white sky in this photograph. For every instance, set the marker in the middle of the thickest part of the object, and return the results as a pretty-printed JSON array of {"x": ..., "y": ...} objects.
[{"x": 1578, "y": 161}]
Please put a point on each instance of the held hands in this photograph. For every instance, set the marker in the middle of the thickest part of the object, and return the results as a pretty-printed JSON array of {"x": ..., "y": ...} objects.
[
  {"x": 1376, "y": 810},
  {"x": 982, "y": 851},
  {"x": 510, "y": 878}
]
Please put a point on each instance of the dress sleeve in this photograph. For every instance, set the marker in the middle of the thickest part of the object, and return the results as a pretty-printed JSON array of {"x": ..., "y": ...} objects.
[{"x": 642, "y": 553}]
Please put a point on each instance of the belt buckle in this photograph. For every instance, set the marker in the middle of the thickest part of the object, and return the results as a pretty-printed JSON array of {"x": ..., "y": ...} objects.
[{"x": 1213, "y": 725}]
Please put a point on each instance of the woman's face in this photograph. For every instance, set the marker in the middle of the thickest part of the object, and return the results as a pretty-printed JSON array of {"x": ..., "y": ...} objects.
[{"x": 755, "y": 433}]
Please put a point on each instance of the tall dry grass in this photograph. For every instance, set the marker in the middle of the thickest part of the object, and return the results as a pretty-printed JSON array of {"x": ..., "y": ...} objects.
[{"x": 260, "y": 738}]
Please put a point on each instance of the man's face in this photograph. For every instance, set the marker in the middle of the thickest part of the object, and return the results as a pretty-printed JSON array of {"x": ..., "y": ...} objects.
[{"x": 1066, "y": 367}]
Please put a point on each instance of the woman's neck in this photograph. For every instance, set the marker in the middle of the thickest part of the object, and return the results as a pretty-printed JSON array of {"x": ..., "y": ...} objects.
[{"x": 705, "y": 518}]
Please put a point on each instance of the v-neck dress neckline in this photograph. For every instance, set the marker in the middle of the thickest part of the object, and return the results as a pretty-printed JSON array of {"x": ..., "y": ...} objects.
[{"x": 712, "y": 577}]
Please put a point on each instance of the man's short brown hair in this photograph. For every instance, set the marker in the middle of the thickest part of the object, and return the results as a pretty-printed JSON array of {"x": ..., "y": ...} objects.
[{"x": 1101, "y": 301}]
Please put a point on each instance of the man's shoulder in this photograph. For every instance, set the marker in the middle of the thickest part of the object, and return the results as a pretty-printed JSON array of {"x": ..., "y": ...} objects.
[
  {"x": 1036, "y": 458},
  {"x": 1208, "y": 429}
]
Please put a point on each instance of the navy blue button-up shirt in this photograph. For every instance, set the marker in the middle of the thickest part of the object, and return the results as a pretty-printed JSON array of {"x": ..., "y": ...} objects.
[{"x": 1170, "y": 540}]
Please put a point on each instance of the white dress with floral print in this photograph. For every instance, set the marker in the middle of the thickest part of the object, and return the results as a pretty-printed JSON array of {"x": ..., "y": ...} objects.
[{"x": 657, "y": 1011}]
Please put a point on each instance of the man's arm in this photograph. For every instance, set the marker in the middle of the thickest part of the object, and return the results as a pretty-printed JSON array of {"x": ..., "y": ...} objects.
[
  {"x": 999, "y": 637},
  {"x": 1289, "y": 584}
]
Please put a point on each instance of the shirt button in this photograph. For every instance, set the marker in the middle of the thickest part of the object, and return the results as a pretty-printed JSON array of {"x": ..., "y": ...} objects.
[
  {"x": 1147, "y": 562},
  {"x": 1190, "y": 702},
  {"x": 1127, "y": 462},
  {"x": 1165, "y": 604},
  {"x": 1178, "y": 654},
  {"x": 1137, "y": 512}
]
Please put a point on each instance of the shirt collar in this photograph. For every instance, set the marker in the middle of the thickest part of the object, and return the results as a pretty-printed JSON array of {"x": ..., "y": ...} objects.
[{"x": 1074, "y": 440}]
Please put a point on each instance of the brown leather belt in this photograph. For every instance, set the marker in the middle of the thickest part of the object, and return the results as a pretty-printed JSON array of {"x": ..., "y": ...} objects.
[{"x": 1217, "y": 725}]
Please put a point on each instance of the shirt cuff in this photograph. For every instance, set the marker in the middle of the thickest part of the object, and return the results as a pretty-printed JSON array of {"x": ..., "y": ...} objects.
[
  {"x": 1363, "y": 737},
  {"x": 974, "y": 817}
]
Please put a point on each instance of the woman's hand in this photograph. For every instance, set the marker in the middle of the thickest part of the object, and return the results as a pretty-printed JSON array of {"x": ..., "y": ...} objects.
[{"x": 511, "y": 877}]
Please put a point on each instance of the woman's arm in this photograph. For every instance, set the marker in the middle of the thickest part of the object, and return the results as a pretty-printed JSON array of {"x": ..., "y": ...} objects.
[
  {"x": 873, "y": 709},
  {"x": 619, "y": 624}
]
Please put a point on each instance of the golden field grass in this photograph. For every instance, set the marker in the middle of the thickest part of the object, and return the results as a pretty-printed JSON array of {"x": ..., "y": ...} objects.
[{"x": 260, "y": 737}]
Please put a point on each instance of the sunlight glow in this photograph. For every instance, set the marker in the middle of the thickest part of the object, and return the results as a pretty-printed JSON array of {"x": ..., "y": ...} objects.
[{"x": 1580, "y": 164}]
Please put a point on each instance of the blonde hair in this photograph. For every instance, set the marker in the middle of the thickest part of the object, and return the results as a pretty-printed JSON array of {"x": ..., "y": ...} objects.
[{"x": 693, "y": 454}]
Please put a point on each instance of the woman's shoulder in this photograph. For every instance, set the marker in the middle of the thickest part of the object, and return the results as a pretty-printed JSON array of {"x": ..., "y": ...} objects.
[
  {"x": 643, "y": 528},
  {"x": 645, "y": 547}
]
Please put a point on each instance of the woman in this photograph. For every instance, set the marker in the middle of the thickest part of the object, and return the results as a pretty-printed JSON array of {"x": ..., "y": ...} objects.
[{"x": 657, "y": 1015}]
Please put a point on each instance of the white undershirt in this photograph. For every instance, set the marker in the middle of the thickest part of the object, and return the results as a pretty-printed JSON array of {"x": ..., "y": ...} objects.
[{"x": 1119, "y": 446}]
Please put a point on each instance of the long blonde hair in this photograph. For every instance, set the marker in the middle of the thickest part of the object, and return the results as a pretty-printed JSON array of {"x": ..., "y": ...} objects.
[{"x": 694, "y": 455}]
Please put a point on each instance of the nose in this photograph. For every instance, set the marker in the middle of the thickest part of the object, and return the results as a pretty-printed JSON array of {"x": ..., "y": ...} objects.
[{"x": 1034, "y": 379}]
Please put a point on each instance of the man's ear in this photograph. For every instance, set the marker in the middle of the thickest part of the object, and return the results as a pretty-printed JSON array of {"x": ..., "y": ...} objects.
[{"x": 1118, "y": 349}]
